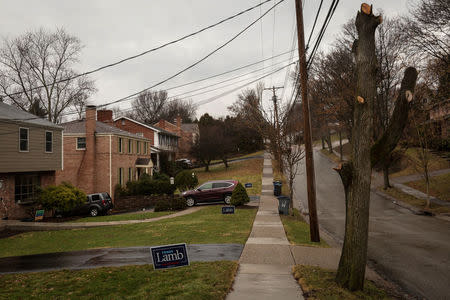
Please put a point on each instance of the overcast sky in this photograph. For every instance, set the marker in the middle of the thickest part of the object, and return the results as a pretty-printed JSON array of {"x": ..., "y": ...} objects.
[{"x": 111, "y": 30}]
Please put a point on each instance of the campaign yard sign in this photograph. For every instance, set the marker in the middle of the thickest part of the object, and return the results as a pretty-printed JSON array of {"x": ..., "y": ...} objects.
[
  {"x": 39, "y": 215},
  {"x": 227, "y": 210},
  {"x": 169, "y": 256},
  {"x": 248, "y": 185}
]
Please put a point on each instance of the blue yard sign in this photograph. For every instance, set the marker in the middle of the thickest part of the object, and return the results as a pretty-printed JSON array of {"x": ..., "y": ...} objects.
[
  {"x": 39, "y": 215},
  {"x": 248, "y": 185},
  {"x": 169, "y": 256},
  {"x": 227, "y": 210}
]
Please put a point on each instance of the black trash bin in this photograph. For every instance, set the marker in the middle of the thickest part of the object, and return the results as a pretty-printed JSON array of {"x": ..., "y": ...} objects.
[
  {"x": 283, "y": 205},
  {"x": 277, "y": 188}
]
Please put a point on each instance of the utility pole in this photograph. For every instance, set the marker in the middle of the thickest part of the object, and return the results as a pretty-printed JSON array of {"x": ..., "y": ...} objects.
[
  {"x": 310, "y": 176},
  {"x": 277, "y": 123}
]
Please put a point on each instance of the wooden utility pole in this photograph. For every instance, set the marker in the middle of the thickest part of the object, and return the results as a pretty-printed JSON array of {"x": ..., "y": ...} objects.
[
  {"x": 310, "y": 176},
  {"x": 277, "y": 124}
]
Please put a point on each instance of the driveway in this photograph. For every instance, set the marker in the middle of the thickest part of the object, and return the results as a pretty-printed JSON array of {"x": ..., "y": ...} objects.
[{"x": 412, "y": 250}]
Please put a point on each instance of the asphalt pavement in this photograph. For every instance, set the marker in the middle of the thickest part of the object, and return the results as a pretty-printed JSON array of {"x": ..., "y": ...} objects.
[{"x": 409, "y": 249}]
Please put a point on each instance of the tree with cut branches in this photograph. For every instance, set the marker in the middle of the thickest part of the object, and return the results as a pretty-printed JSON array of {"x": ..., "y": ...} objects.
[
  {"x": 356, "y": 173},
  {"x": 34, "y": 66}
]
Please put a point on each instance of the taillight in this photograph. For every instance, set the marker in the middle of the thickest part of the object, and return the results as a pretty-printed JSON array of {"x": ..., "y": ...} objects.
[{"x": 103, "y": 201}]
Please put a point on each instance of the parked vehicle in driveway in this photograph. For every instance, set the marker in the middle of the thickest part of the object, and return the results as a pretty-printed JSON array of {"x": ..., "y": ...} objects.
[
  {"x": 98, "y": 203},
  {"x": 211, "y": 191},
  {"x": 184, "y": 163}
]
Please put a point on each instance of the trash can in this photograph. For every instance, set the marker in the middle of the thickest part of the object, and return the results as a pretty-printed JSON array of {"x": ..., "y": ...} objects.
[
  {"x": 277, "y": 188},
  {"x": 283, "y": 205}
]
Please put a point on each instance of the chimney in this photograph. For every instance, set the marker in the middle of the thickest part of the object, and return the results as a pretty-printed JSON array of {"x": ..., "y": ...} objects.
[
  {"x": 178, "y": 121},
  {"x": 105, "y": 116},
  {"x": 88, "y": 165}
]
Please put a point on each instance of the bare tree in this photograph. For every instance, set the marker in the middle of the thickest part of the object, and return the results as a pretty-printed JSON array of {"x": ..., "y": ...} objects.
[{"x": 42, "y": 58}]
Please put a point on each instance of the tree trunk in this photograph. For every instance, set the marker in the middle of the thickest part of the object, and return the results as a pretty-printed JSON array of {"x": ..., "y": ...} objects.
[
  {"x": 351, "y": 270},
  {"x": 386, "y": 176},
  {"x": 323, "y": 143},
  {"x": 340, "y": 146},
  {"x": 225, "y": 162}
]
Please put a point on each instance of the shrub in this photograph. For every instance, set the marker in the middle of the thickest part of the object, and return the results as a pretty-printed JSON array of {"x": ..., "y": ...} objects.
[
  {"x": 64, "y": 197},
  {"x": 161, "y": 176},
  {"x": 185, "y": 181},
  {"x": 171, "y": 204},
  {"x": 239, "y": 196},
  {"x": 132, "y": 187}
]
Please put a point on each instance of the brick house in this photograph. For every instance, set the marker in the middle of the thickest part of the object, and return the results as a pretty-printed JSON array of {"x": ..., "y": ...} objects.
[
  {"x": 440, "y": 118},
  {"x": 161, "y": 140},
  {"x": 188, "y": 133},
  {"x": 98, "y": 156},
  {"x": 30, "y": 154}
]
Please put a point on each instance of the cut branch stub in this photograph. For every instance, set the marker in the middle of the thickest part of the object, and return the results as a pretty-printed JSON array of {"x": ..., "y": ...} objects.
[
  {"x": 408, "y": 95},
  {"x": 360, "y": 99},
  {"x": 366, "y": 8}
]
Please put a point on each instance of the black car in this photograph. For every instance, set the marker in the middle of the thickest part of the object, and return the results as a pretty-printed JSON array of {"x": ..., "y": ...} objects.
[{"x": 98, "y": 203}]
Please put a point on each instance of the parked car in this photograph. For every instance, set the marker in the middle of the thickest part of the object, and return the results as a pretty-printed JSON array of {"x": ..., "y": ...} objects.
[
  {"x": 184, "y": 163},
  {"x": 98, "y": 203},
  {"x": 211, "y": 191}
]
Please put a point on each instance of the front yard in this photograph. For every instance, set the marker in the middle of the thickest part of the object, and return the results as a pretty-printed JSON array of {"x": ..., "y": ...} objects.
[
  {"x": 439, "y": 186},
  {"x": 200, "y": 280},
  {"x": 205, "y": 226}
]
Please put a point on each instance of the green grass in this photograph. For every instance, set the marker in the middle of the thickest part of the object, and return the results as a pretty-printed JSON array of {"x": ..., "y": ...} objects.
[
  {"x": 411, "y": 162},
  {"x": 439, "y": 186},
  {"x": 206, "y": 226},
  {"x": 297, "y": 230},
  {"x": 244, "y": 171},
  {"x": 257, "y": 153},
  {"x": 319, "y": 283},
  {"x": 124, "y": 217},
  {"x": 416, "y": 202},
  {"x": 200, "y": 280}
]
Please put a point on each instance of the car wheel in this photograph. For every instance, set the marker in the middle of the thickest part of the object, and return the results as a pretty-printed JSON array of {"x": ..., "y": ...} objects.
[
  {"x": 190, "y": 201},
  {"x": 93, "y": 211},
  {"x": 227, "y": 199}
]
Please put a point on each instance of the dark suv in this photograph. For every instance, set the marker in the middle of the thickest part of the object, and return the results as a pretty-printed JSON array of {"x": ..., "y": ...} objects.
[
  {"x": 211, "y": 191},
  {"x": 98, "y": 203}
]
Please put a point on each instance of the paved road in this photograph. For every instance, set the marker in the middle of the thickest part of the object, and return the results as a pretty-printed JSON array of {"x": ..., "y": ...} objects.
[
  {"x": 412, "y": 250},
  {"x": 108, "y": 257}
]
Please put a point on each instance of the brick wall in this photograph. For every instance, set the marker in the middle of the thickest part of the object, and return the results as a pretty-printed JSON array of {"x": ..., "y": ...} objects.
[{"x": 132, "y": 127}]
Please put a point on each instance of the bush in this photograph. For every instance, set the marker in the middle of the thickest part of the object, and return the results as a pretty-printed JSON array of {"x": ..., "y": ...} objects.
[
  {"x": 185, "y": 181},
  {"x": 172, "y": 204},
  {"x": 64, "y": 197},
  {"x": 239, "y": 196}
]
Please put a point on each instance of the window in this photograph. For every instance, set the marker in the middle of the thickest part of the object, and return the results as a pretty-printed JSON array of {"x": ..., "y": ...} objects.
[
  {"x": 95, "y": 197},
  {"x": 145, "y": 147},
  {"x": 138, "y": 147},
  {"x": 120, "y": 177},
  {"x": 130, "y": 146},
  {"x": 219, "y": 185},
  {"x": 26, "y": 187},
  {"x": 49, "y": 141},
  {"x": 206, "y": 186},
  {"x": 23, "y": 139},
  {"x": 130, "y": 174},
  {"x": 81, "y": 143},
  {"x": 120, "y": 145}
]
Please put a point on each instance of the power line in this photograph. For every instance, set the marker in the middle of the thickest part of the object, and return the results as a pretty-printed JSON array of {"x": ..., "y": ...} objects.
[
  {"x": 147, "y": 51},
  {"x": 197, "y": 62},
  {"x": 314, "y": 24}
]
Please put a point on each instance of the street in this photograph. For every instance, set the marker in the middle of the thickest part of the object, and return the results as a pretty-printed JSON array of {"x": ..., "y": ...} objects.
[{"x": 411, "y": 250}]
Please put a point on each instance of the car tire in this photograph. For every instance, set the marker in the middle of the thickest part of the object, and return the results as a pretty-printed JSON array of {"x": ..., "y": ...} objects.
[
  {"x": 227, "y": 199},
  {"x": 93, "y": 211},
  {"x": 190, "y": 202}
]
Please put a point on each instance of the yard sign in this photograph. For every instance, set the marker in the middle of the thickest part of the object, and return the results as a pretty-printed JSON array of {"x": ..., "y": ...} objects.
[{"x": 169, "y": 256}]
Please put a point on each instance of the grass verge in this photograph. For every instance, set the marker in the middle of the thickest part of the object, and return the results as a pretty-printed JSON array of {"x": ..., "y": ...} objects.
[
  {"x": 206, "y": 226},
  {"x": 319, "y": 283},
  {"x": 257, "y": 153},
  {"x": 439, "y": 186},
  {"x": 416, "y": 202},
  {"x": 200, "y": 280},
  {"x": 279, "y": 176},
  {"x": 297, "y": 230},
  {"x": 244, "y": 171},
  {"x": 125, "y": 217},
  {"x": 411, "y": 161}
]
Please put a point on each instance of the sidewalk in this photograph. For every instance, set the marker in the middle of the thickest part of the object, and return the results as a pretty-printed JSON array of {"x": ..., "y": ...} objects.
[{"x": 265, "y": 270}]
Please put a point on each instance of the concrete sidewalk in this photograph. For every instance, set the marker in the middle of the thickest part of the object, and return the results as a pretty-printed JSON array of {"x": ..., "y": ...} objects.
[{"x": 265, "y": 270}]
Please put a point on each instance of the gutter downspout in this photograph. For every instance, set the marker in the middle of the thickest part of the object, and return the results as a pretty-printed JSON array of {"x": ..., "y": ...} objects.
[{"x": 110, "y": 164}]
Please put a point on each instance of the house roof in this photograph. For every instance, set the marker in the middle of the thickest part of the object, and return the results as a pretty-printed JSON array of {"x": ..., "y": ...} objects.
[
  {"x": 79, "y": 126},
  {"x": 152, "y": 127},
  {"x": 190, "y": 127},
  {"x": 13, "y": 114}
]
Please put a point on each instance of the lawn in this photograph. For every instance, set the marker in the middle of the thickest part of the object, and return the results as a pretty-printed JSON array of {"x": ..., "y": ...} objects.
[
  {"x": 239, "y": 156},
  {"x": 319, "y": 283},
  {"x": 200, "y": 280},
  {"x": 411, "y": 161},
  {"x": 127, "y": 216},
  {"x": 439, "y": 186},
  {"x": 243, "y": 171},
  {"x": 416, "y": 202},
  {"x": 297, "y": 230},
  {"x": 206, "y": 226}
]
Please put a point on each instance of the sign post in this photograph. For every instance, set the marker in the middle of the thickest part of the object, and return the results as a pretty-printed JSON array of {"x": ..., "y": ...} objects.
[{"x": 169, "y": 256}]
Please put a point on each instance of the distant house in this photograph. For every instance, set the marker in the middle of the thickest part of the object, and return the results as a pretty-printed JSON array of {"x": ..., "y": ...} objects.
[
  {"x": 440, "y": 118},
  {"x": 30, "y": 154},
  {"x": 188, "y": 133},
  {"x": 98, "y": 156},
  {"x": 161, "y": 140}
]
